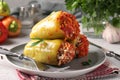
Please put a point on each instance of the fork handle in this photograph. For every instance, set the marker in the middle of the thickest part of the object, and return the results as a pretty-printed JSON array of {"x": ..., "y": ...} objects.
[
  {"x": 115, "y": 55},
  {"x": 6, "y": 52}
]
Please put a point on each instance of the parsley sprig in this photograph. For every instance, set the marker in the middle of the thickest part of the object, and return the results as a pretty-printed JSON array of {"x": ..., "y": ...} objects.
[
  {"x": 95, "y": 12},
  {"x": 86, "y": 63},
  {"x": 36, "y": 42}
]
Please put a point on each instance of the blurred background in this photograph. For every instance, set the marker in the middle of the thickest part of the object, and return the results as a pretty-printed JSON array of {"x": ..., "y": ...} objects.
[
  {"x": 47, "y": 6},
  {"x": 17, "y": 3},
  {"x": 32, "y": 11}
]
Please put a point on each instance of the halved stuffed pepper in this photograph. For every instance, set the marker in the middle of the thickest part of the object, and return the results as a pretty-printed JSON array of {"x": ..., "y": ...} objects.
[
  {"x": 52, "y": 52},
  {"x": 81, "y": 44},
  {"x": 58, "y": 25}
]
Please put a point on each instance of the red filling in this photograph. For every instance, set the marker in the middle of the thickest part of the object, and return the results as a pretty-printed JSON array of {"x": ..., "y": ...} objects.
[
  {"x": 66, "y": 53},
  {"x": 69, "y": 25},
  {"x": 82, "y": 46}
]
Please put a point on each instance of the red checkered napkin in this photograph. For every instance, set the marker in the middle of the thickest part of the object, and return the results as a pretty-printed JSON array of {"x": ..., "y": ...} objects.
[{"x": 106, "y": 69}]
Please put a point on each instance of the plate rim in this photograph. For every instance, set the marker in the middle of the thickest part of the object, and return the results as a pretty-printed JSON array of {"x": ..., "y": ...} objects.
[{"x": 49, "y": 72}]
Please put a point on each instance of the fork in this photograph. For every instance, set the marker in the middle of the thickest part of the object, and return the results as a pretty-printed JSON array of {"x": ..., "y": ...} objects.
[
  {"x": 38, "y": 66},
  {"x": 22, "y": 57},
  {"x": 107, "y": 52}
]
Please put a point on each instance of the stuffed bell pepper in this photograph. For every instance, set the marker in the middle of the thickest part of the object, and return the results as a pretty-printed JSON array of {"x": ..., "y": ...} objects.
[
  {"x": 58, "y": 25},
  {"x": 81, "y": 44},
  {"x": 53, "y": 52}
]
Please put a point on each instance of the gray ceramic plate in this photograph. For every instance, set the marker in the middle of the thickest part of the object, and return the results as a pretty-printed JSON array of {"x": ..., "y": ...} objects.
[{"x": 96, "y": 56}]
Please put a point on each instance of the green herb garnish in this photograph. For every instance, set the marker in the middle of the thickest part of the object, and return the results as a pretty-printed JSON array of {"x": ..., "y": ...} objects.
[
  {"x": 35, "y": 43},
  {"x": 37, "y": 39},
  {"x": 86, "y": 63}
]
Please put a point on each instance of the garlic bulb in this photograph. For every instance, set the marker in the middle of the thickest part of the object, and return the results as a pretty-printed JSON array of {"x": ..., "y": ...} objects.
[{"x": 111, "y": 34}]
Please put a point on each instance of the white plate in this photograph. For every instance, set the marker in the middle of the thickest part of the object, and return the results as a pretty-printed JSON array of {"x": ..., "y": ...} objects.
[{"x": 96, "y": 56}]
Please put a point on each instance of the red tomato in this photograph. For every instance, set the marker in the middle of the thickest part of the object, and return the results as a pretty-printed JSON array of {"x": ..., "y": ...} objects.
[{"x": 3, "y": 33}]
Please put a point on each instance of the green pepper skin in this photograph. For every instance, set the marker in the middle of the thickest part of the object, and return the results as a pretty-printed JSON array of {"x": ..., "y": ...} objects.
[
  {"x": 44, "y": 52},
  {"x": 48, "y": 28}
]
